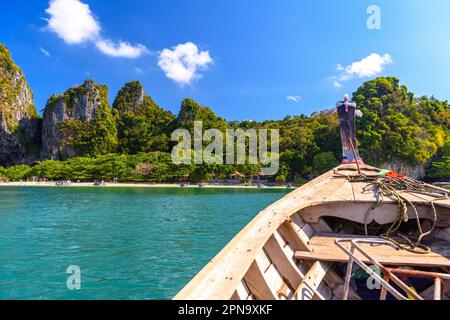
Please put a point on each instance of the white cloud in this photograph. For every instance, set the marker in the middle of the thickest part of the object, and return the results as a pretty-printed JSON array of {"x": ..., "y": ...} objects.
[
  {"x": 72, "y": 21},
  {"x": 121, "y": 50},
  {"x": 183, "y": 62},
  {"x": 45, "y": 52},
  {"x": 370, "y": 66},
  {"x": 337, "y": 84},
  {"x": 293, "y": 98},
  {"x": 139, "y": 71}
]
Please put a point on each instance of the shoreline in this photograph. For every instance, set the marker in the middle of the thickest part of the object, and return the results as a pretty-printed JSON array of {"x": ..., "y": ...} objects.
[{"x": 136, "y": 185}]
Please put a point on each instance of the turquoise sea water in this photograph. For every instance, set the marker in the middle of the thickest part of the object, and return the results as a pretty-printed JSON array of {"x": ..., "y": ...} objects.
[{"x": 130, "y": 243}]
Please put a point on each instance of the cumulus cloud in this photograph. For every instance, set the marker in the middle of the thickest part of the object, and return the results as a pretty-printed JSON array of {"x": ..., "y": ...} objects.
[
  {"x": 370, "y": 66},
  {"x": 337, "y": 84},
  {"x": 121, "y": 49},
  {"x": 139, "y": 71},
  {"x": 293, "y": 98},
  {"x": 74, "y": 22},
  {"x": 339, "y": 67},
  {"x": 183, "y": 62}
]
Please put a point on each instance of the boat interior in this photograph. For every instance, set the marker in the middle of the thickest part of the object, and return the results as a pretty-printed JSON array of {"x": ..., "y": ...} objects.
[{"x": 331, "y": 240}]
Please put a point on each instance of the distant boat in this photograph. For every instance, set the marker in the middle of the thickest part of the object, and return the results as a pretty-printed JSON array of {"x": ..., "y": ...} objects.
[
  {"x": 61, "y": 183},
  {"x": 299, "y": 247}
]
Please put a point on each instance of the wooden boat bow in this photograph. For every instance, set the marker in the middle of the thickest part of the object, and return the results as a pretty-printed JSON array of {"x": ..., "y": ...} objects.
[{"x": 261, "y": 261}]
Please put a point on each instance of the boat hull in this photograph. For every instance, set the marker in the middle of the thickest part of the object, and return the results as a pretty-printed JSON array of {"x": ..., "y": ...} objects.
[{"x": 276, "y": 256}]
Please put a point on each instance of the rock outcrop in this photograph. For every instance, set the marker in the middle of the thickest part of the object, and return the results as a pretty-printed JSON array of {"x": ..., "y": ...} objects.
[
  {"x": 19, "y": 123},
  {"x": 325, "y": 112},
  {"x": 192, "y": 111},
  {"x": 78, "y": 122},
  {"x": 142, "y": 126},
  {"x": 133, "y": 99}
]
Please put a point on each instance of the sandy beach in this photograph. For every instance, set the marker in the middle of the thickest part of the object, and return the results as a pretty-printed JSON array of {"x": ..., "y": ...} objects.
[{"x": 131, "y": 185}]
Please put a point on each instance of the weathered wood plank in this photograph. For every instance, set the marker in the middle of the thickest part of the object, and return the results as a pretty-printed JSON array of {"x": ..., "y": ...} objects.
[
  {"x": 236, "y": 296},
  {"x": 336, "y": 284},
  {"x": 258, "y": 285},
  {"x": 301, "y": 239},
  {"x": 242, "y": 291},
  {"x": 308, "y": 288},
  {"x": 271, "y": 273},
  {"x": 384, "y": 213},
  {"x": 324, "y": 291},
  {"x": 321, "y": 226},
  {"x": 325, "y": 249},
  {"x": 293, "y": 237},
  {"x": 297, "y": 221},
  {"x": 275, "y": 280},
  {"x": 333, "y": 281},
  {"x": 263, "y": 260},
  {"x": 335, "y": 189},
  {"x": 284, "y": 265}
]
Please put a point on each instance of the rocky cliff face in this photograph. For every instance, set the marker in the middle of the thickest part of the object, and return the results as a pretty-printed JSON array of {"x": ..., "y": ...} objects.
[
  {"x": 19, "y": 125},
  {"x": 413, "y": 171},
  {"x": 71, "y": 121}
]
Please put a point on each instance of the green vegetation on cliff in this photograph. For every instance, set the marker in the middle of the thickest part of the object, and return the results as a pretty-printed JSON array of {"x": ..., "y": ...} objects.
[
  {"x": 13, "y": 85},
  {"x": 131, "y": 141},
  {"x": 192, "y": 111},
  {"x": 6, "y": 61},
  {"x": 19, "y": 123},
  {"x": 142, "y": 126},
  {"x": 396, "y": 126},
  {"x": 89, "y": 127}
]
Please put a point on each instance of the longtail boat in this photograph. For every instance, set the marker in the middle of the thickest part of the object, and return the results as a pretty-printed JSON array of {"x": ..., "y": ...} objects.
[
  {"x": 356, "y": 232},
  {"x": 291, "y": 250}
]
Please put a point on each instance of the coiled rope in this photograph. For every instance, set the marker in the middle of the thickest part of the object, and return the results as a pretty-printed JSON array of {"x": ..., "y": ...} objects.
[{"x": 394, "y": 188}]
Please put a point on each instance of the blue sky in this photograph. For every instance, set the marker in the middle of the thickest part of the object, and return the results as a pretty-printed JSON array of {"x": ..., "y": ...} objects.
[{"x": 251, "y": 59}]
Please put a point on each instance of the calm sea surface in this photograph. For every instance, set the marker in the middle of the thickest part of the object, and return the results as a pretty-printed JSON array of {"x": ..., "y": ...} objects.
[{"x": 129, "y": 243}]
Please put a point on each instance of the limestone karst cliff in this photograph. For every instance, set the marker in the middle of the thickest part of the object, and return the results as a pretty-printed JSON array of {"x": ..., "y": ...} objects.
[
  {"x": 142, "y": 126},
  {"x": 19, "y": 123},
  {"x": 192, "y": 111},
  {"x": 78, "y": 122}
]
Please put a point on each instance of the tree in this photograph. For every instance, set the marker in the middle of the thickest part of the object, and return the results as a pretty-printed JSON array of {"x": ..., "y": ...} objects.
[
  {"x": 324, "y": 162},
  {"x": 440, "y": 169},
  {"x": 398, "y": 127}
]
